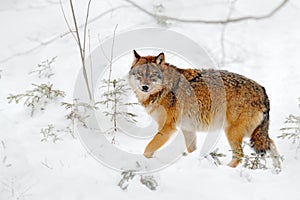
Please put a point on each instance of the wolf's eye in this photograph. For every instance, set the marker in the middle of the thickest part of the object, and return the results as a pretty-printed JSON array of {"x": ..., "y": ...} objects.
[
  {"x": 153, "y": 78},
  {"x": 138, "y": 77}
]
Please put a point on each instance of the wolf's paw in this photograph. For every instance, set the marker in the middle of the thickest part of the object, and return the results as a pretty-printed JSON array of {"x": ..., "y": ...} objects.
[
  {"x": 276, "y": 166},
  {"x": 234, "y": 163},
  {"x": 190, "y": 149},
  {"x": 148, "y": 154},
  {"x": 277, "y": 160},
  {"x": 276, "y": 170}
]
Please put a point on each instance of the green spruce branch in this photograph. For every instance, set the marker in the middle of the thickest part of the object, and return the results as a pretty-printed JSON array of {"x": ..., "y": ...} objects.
[
  {"x": 38, "y": 97},
  {"x": 114, "y": 101},
  {"x": 291, "y": 131},
  {"x": 44, "y": 70}
]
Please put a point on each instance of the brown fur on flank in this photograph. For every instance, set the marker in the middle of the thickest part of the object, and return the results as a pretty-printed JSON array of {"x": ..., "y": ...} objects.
[{"x": 197, "y": 100}]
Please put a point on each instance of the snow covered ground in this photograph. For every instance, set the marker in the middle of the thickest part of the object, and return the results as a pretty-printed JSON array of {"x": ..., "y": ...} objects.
[{"x": 33, "y": 31}]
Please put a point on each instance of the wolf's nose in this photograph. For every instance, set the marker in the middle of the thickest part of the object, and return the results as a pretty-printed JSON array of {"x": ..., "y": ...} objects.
[{"x": 145, "y": 88}]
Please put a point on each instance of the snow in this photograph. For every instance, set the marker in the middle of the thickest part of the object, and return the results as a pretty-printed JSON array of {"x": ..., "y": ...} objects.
[{"x": 266, "y": 51}]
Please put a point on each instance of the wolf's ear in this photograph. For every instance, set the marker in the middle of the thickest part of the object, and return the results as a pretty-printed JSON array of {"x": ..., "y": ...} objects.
[
  {"x": 160, "y": 59},
  {"x": 136, "y": 55},
  {"x": 136, "y": 58}
]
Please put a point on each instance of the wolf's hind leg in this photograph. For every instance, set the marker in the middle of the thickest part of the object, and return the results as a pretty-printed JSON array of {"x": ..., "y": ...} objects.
[
  {"x": 190, "y": 140},
  {"x": 275, "y": 157},
  {"x": 235, "y": 140}
]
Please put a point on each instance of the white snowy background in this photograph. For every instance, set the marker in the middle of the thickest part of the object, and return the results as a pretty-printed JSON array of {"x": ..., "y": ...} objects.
[{"x": 34, "y": 30}]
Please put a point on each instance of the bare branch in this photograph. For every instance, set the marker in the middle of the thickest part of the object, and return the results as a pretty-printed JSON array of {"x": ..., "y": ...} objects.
[
  {"x": 57, "y": 37},
  {"x": 231, "y": 20},
  {"x": 86, "y": 23},
  {"x": 91, "y": 62},
  {"x": 100, "y": 43},
  {"x": 223, "y": 32},
  {"x": 226, "y": 21},
  {"x": 111, "y": 57},
  {"x": 81, "y": 48},
  {"x": 76, "y": 30},
  {"x": 65, "y": 18}
]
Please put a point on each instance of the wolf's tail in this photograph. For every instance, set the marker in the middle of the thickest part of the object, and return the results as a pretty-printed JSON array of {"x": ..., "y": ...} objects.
[{"x": 260, "y": 139}]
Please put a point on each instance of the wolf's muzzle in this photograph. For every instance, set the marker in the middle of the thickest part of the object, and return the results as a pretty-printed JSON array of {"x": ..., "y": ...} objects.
[{"x": 145, "y": 88}]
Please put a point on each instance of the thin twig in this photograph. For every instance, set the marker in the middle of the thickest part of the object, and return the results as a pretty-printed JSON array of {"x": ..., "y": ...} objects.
[
  {"x": 111, "y": 58},
  {"x": 226, "y": 21},
  {"x": 86, "y": 23},
  {"x": 115, "y": 107},
  {"x": 81, "y": 48},
  {"x": 46, "y": 165},
  {"x": 100, "y": 43},
  {"x": 3, "y": 144},
  {"x": 223, "y": 32},
  {"x": 91, "y": 62},
  {"x": 66, "y": 21}
]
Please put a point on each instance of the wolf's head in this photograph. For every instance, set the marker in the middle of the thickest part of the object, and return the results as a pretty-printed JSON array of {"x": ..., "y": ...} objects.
[{"x": 146, "y": 74}]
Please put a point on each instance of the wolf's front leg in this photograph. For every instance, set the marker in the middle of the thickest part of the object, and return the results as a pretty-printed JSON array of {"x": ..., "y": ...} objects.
[
  {"x": 190, "y": 140},
  {"x": 159, "y": 139}
]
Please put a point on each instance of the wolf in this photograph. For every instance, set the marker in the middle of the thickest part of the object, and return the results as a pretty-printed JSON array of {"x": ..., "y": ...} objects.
[{"x": 197, "y": 100}]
